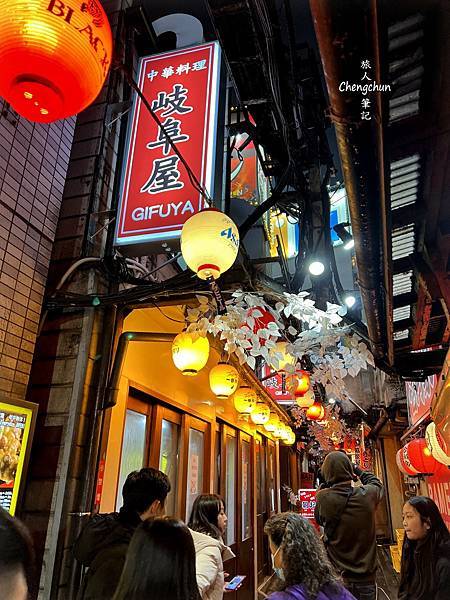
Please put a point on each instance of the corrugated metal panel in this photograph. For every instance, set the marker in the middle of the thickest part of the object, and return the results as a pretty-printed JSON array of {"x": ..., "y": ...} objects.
[
  {"x": 403, "y": 241},
  {"x": 405, "y": 180},
  {"x": 401, "y": 335}
]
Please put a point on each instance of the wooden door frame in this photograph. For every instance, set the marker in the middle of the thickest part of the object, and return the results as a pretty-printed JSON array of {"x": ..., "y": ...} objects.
[{"x": 191, "y": 422}]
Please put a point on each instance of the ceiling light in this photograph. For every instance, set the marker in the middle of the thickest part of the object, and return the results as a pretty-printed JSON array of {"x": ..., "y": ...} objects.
[
  {"x": 331, "y": 400},
  {"x": 350, "y": 300},
  {"x": 316, "y": 268},
  {"x": 344, "y": 235}
]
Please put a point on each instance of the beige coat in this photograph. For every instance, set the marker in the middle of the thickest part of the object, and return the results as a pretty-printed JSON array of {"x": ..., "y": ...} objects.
[{"x": 209, "y": 556}]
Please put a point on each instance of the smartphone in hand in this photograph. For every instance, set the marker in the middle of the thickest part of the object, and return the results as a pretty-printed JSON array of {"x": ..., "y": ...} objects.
[{"x": 236, "y": 582}]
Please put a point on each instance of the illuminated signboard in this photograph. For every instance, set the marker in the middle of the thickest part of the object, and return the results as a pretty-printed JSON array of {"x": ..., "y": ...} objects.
[
  {"x": 157, "y": 194},
  {"x": 419, "y": 396},
  {"x": 16, "y": 431},
  {"x": 276, "y": 385},
  {"x": 307, "y": 502}
]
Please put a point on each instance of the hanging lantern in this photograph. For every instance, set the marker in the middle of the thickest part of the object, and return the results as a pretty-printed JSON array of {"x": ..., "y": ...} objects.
[
  {"x": 54, "y": 56},
  {"x": 315, "y": 412},
  {"x": 289, "y": 438},
  {"x": 286, "y": 357},
  {"x": 223, "y": 380},
  {"x": 261, "y": 322},
  {"x": 436, "y": 444},
  {"x": 307, "y": 400},
  {"x": 261, "y": 414},
  {"x": 209, "y": 243},
  {"x": 245, "y": 400},
  {"x": 278, "y": 431},
  {"x": 272, "y": 423},
  {"x": 303, "y": 383},
  {"x": 190, "y": 354},
  {"x": 403, "y": 463},
  {"x": 416, "y": 457}
]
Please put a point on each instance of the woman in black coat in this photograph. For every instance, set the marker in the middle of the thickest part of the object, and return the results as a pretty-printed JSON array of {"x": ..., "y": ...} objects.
[{"x": 425, "y": 568}]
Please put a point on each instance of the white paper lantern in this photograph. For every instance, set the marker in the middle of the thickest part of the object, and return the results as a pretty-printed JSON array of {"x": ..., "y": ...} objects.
[
  {"x": 209, "y": 243},
  {"x": 261, "y": 414},
  {"x": 223, "y": 380},
  {"x": 190, "y": 353},
  {"x": 436, "y": 444}
]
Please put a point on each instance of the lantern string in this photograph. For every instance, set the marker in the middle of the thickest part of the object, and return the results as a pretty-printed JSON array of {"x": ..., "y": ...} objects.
[{"x": 192, "y": 177}]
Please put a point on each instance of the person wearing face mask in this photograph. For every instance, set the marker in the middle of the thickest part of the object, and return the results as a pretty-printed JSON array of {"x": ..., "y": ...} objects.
[
  {"x": 103, "y": 543},
  {"x": 207, "y": 524},
  {"x": 425, "y": 566},
  {"x": 300, "y": 563}
]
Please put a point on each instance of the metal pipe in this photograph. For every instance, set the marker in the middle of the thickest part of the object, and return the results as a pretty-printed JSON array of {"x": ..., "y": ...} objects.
[
  {"x": 119, "y": 358},
  {"x": 344, "y": 36}
]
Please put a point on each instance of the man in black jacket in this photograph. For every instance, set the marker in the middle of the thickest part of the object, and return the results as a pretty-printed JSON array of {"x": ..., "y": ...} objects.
[
  {"x": 103, "y": 543},
  {"x": 347, "y": 515}
]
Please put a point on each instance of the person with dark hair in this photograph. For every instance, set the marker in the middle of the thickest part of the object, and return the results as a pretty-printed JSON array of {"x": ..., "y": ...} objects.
[
  {"x": 300, "y": 561},
  {"x": 16, "y": 558},
  {"x": 425, "y": 567},
  {"x": 103, "y": 543},
  {"x": 347, "y": 515},
  {"x": 160, "y": 563},
  {"x": 207, "y": 524}
]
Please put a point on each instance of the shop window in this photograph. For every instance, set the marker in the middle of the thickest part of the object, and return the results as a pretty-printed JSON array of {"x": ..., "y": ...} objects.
[
  {"x": 230, "y": 491},
  {"x": 246, "y": 488},
  {"x": 168, "y": 460},
  {"x": 133, "y": 448},
  {"x": 195, "y": 468},
  {"x": 217, "y": 470}
]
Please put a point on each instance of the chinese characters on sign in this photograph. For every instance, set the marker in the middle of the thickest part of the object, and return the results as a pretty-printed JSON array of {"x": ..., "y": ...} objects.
[
  {"x": 158, "y": 194},
  {"x": 365, "y": 102},
  {"x": 419, "y": 396},
  {"x": 15, "y": 424},
  {"x": 276, "y": 385},
  {"x": 366, "y": 85},
  {"x": 307, "y": 503}
]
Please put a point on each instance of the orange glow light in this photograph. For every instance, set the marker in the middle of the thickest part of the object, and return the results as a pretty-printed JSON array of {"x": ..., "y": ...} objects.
[
  {"x": 315, "y": 412},
  {"x": 303, "y": 384},
  {"x": 54, "y": 56}
]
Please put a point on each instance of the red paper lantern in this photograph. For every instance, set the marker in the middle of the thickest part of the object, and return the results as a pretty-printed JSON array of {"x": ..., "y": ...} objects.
[
  {"x": 303, "y": 383},
  {"x": 54, "y": 56},
  {"x": 315, "y": 412},
  {"x": 261, "y": 322},
  {"x": 416, "y": 458}
]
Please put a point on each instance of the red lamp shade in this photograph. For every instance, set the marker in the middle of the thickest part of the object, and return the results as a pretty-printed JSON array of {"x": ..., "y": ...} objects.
[
  {"x": 416, "y": 458},
  {"x": 303, "y": 384},
  {"x": 315, "y": 412},
  {"x": 54, "y": 56},
  {"x": 260, "y": 322}
]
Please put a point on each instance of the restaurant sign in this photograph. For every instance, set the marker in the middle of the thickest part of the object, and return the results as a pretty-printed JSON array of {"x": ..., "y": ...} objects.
[
  {"x": 16, "y": 431},
  {"x": 419, "y": 395},
  {"x": 157, "y": 193}
]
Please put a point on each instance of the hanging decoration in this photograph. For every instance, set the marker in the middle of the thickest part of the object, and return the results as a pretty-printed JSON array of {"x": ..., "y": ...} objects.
[
  {"x": 209, "y": 243},
  {"x": 316, "y": 412},
  {"x": 436, "y": 444},
  {"x": 282, "y": 357},
  {"x": 223, "y": 380},
  {"x": 415, "y": 456},
  {"x": 272, "y": 423},
  {"x": 54, "y": 56},
  {"x": 403, "y": 462},
  {"x": 302, "y": 383},
  {"x": 261, "y": 414},
  {"x": 289, "y": 437},
  {"x": 190, "y": 353},
  {"x": 306, "y": 400},
  {"x": 245, "y": 400}
]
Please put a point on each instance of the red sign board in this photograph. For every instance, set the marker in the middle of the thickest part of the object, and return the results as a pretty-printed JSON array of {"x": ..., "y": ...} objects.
[
  {"x": 157, "y": 194},
  {"x": 419, "y": 395},
  {"x": 307, "y": 503},
  {"x": 439, "y": 491},
  {"x": 276, "y": 385}
]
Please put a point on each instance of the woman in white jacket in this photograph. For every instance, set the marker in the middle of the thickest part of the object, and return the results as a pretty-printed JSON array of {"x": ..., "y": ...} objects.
[{"x": 207, "y": 524}]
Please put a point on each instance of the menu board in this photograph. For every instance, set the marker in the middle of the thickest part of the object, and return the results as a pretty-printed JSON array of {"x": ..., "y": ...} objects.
[
  {"x": 307, "y": 502},
  {"x": 15, "y": 437}
]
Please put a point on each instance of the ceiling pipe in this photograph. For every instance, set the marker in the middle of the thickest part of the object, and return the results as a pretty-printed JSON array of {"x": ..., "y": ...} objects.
[{"x": 345, "y": 37}]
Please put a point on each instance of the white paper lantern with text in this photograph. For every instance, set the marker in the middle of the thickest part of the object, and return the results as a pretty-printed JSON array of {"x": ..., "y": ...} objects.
[
  {"x": 223, "y": 380},
  {"x": 436, "y": 444},
  {"x": 209, "y": 243}
]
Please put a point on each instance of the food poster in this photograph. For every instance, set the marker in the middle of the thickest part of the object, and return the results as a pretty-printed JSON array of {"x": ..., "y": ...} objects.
[{"x": 15, "y": 425}]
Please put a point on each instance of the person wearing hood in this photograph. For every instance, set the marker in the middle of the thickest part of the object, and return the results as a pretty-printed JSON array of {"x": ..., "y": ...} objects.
[
  {"x": 300, "y": 562},
  {"x": 207, "y": 524},
  {"x": 347, "y": 515},
  {"x": 425, "y": 566},
  {"x": 103, "y": 543}
]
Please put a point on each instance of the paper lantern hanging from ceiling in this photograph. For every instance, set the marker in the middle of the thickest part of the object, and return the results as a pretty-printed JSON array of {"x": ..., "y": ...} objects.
[
  {"x": 190, "y": 353},
  {"x": 261, "y": 322},
  {"x": 209, "y": 243},
  {"x": 278, "y": 431},
  {"x": 437, "y": 445},
  {"x": 307, "y": 400},
  {"x": 302, "y": 383},
  {"x": 315, "y": 412},
  {"x": 289, "y": 438},
  {"x": 223, "y": 380},
  {"x": 261, "y": 414},
  {"x": 245, "y": 400},
  {"x": 54, "y": 56},
  {"x": 416, "y": 457},
  {"x": 272, "y": 423}
]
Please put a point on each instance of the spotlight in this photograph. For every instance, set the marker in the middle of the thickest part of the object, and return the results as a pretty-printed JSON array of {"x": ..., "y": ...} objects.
[
  {"x": 350, "y": 300},
  {"x": 331, "y": 400},
  {"x": 316, "y": 268},
  {"x": 344, "y": 235}
]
